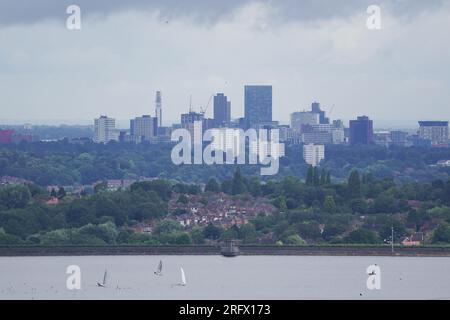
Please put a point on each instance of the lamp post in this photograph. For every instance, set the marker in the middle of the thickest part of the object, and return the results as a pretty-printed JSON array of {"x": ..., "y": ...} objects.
[{"x": 392, "y": 239}]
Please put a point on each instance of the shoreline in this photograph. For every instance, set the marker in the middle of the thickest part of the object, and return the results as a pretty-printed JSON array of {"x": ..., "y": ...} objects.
[{"x": 245, "y": 250}]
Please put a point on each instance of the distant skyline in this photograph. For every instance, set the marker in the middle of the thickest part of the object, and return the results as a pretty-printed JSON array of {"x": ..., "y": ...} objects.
[{"x": 308, "y": 51}]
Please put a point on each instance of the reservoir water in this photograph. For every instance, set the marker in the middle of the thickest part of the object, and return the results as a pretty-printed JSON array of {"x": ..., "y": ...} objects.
[{"x": 216, "y": 277}]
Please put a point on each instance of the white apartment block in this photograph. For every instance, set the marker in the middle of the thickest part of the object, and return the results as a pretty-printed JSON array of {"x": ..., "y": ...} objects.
[
  {"x": 104, "y": 130},
  {"x": 313, "y": 154}
]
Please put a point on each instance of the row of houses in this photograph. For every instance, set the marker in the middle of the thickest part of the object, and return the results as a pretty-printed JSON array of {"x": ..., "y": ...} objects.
[
  {"x": 7, "y": 180},
  {"x": 220, "y": 209}
]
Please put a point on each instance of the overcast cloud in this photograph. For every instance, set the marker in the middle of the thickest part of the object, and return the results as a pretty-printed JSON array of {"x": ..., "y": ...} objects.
[{"x": 308, "y": 50}]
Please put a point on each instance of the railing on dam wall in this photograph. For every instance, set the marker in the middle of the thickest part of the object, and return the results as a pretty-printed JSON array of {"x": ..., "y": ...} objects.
[{"x": 216, "y": 250}]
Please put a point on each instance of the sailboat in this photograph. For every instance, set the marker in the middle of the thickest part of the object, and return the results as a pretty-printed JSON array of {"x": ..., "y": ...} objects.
[
  {"x": 158, "y": 271},
  {"x": 103, "y": 284},
  {"x": 183, "y": 278}
]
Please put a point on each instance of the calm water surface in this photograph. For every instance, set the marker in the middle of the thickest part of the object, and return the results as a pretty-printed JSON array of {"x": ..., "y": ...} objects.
[{"x": 216, "y": 277}]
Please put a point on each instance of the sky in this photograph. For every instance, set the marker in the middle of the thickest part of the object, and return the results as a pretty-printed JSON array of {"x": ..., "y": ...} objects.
[{"x": 311, "y": 50}]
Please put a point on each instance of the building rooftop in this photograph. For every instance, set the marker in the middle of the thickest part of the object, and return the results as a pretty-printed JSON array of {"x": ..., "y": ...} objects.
[{"x": 433, "y": 123}]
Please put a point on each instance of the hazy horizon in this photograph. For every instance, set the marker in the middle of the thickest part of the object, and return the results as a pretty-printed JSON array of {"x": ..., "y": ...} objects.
[
  {"x": 379, "y": 124},
  {"x": 309, "y": 51}
]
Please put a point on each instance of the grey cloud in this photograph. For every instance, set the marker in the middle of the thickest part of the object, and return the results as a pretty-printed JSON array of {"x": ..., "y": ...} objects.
[{"x": 203, "y": 11}]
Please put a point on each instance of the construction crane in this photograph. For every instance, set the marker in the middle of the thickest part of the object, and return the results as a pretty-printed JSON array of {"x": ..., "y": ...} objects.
[
  {"x": 203, "y": 110},
  {"x": 331, "y": 110}
]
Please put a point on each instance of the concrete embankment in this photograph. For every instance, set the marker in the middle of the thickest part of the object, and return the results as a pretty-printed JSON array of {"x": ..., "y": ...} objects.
[{"x": 432, "y": 251}]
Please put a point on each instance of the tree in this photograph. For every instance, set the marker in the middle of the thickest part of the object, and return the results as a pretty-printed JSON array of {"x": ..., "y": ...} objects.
[
  {"x": 280, "y": 202},
  {"x": 362, "y": 236},
  {"x": 354, "y": 185},
  {"x": 384, "y": 204},
  {"x": 162, "y": 188},
  {"x": 226, "y": 186},
  {"x": 323, "y": 177},
  {"x": 14, "y": 196},
  {"x": 53, "y": 193},
  {"x": 254, "y": 186},
  {"x": 230, "y": 233},
  {"x": 197, "y": 235},
  {"x": 238, "y": 185},
  {"x": 212, "y": 185},
  {"x": 332, "y": 230},
  {"x": 442, "y": 234},
  {"x": 61, "y": 193},
  {"x": 247, "y": 233},
  {"x": 418, "y": 218},
  {"x": 182, "y": 198},
  {"x": 328, "y": 179},
  {"x": 358, "y": 205},
  {"x": 177, "y": 238},
  {"x": 212, "y": 232},
  {"x": 100, "y": 187},
  {"x": 329, "y": 205},
  {"x": 316, "y": 176},
  {"x": 310, "y": 176},
  {"x": 8, "y": 239},
  {"x": 294, "y": 239},
  {"x": 167, "y": 226}
]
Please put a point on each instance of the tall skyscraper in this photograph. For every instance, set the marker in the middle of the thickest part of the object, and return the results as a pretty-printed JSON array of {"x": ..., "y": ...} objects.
[
  {"x": 222, "y": 110},
  {"x": 315, "y": 108},
  {"x": 158, "y": 108},
  {"x": 143, "y": 128},
  {"x": 434, "y": 131},
  {"x": 361, "y": 131},
  {"x": 258, "y": 105},
  {"x": 104, "y": 129}
]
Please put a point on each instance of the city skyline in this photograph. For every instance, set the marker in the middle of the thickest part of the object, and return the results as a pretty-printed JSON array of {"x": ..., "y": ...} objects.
[{"x": 51, "y": 74}]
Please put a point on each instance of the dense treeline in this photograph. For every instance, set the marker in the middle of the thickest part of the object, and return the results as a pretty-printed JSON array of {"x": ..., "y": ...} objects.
[
  {"x": 62, "y": 163},
  {"x": 363, "y": 209}
]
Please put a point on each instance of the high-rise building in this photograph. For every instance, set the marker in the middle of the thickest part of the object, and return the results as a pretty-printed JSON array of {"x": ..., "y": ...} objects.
[
  {"x": 382, "y": 138},
  {"x": 190, "y": 118},
  {"x": 361, "y": 131},
  {"x": 104, "y": 130},
  {"x": 315, "y": 108},
  {"x": 158, "y": 108},
  {"x": 143, "y": 128},
  {"x": 317, "y": 137},
  {"x": 300, "y": 119},
  {"x": 258, "y": 105},
  {"x": 323, "y": 133},
  {"x": 398, "y": 138},
  {"x": 313, "y": 154},
  {"x": 222, "y": 110},
  {"x": 435, "y": 131}
]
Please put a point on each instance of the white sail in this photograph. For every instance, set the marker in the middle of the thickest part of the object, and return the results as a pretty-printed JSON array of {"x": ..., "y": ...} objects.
[
  {"x": 104, "y": 277},
  {"x": 183, "y": 277},
  {"x": 160, "y": 266}
]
